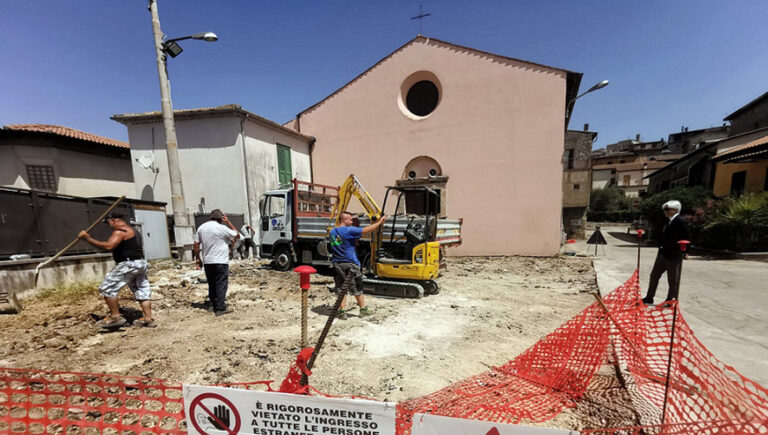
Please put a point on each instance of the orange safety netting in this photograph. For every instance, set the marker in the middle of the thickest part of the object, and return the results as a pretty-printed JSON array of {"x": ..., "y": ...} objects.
[
  {"x": 705, "y": 395},
  {"x": 33, "y": 401}
]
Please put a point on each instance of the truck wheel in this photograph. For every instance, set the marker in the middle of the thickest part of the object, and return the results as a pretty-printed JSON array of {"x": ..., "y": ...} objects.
[{"x": 283, "y": 259}]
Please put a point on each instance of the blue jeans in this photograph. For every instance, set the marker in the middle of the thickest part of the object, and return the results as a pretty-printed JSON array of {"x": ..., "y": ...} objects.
[{"x": 218, "y": 281}]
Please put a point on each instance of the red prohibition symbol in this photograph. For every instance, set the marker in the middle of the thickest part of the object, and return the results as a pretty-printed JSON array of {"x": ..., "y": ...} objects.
[{"x": 216, "y": 418}]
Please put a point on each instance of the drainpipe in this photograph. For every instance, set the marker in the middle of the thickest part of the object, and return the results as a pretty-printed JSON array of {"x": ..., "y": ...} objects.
[{"x": 257, "y": 254}]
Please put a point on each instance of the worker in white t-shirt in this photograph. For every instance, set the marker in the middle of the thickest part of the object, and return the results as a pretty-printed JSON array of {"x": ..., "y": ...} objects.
[{"x": 214, "y": 239}]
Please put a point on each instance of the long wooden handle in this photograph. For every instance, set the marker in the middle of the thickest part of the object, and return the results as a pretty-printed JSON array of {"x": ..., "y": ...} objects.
[{"x": 77, "y": 239}]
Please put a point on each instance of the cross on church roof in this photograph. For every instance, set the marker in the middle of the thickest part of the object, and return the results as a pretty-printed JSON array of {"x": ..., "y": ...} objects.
[{"x": 420, "y": 17}]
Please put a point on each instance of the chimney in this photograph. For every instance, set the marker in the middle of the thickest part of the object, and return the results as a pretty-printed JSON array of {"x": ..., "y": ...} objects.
[
  {"x": 586, "y": 127},
  {"x": 682, "y": 128},
  {"x": 686, "y": 129},
  {"x": 637, "y": 137}
]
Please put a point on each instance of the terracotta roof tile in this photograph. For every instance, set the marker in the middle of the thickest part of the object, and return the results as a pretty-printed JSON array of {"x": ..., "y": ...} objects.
[
  {"x": 742, "y": 149},
  {"x": 67, "y": 132}
]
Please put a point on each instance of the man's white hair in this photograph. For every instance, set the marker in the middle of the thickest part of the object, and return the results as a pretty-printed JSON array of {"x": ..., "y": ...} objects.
[{"x": 674, "y": 205}]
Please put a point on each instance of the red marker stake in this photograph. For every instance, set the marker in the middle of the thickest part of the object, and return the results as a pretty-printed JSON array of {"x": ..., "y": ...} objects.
[
  {"x": 639, "y": 243},
  {"x": 304, "y": 273},
  {"x": 683, "y": 247}
]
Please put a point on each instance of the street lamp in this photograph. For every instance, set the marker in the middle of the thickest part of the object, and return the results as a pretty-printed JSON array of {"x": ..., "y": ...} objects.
[
  {"x": 182, "y": 229},
  {"x": 173, "y": 49},
  {"x": 597, "y": 86}
]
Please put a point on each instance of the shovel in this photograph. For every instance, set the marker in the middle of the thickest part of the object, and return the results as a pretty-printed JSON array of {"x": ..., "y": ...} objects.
[{"x": 72, "y": 243}]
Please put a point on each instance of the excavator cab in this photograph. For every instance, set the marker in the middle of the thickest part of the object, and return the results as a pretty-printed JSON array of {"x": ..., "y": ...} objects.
[{"x": 407, "y": 247}]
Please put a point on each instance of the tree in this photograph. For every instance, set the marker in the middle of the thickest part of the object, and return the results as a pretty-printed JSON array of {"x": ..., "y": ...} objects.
[
  {"x": 695, "y": 201},
  {"x": 610, "y": 199}
]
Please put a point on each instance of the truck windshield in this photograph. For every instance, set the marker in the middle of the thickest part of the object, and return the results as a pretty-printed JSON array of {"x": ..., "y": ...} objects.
[{"x": 274, "y": 206}]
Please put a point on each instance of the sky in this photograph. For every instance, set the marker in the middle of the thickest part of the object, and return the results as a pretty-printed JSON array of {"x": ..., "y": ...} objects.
[{"x": 671, "y": 63}]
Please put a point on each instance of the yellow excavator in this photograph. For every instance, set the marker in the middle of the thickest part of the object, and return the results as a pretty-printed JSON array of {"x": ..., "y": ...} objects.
[{"x": 404, "y": 256}]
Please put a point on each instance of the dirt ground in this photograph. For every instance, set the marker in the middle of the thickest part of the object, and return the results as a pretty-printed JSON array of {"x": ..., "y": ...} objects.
[{"x": 488, "y": 311}]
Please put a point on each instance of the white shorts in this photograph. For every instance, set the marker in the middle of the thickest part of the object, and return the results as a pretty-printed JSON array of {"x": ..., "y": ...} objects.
[{"x": 132, "y": 273}]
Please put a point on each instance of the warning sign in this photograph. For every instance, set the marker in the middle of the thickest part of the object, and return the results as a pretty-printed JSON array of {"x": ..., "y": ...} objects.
[
  {"x": 426, "y": 424},
  {"x": 218, "y": 410}
]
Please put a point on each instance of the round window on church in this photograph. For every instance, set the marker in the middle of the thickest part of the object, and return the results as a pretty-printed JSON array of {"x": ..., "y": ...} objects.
[
  {"x": 420, "y": 94},
  {"x": 422, "y": 98}
]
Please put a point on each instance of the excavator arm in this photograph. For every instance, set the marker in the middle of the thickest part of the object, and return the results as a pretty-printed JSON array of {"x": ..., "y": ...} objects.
[{"x": 353, "y": 188}]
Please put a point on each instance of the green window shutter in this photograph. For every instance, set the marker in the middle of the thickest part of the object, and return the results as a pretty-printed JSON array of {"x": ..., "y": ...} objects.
[{"x": 284, "y": 164}]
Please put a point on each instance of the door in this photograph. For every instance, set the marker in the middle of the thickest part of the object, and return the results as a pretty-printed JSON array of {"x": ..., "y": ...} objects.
[
  {"x": 284, "y": 164},
  {"x": 738, "y": 182},
  {"x": 154, "y": 233},
  {"x": 274, "y": 223}
]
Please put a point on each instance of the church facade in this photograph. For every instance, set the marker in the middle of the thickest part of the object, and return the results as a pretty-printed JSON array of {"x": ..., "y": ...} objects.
[{"x": 486, "y": 130}]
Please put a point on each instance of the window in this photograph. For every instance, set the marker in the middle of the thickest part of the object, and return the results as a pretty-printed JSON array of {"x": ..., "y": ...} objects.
[
  {"x": 738, "y": 181},
  {"x": 422, "y": 98},
  {"x": 274, "y": 206},
  {"x": 284, "y": 164},
  {"x": 420, "y": 94},
  {"x": 41, "y": 178},
  {"x": 576, "y": 186},
  {"x": 627, "y": 180}
]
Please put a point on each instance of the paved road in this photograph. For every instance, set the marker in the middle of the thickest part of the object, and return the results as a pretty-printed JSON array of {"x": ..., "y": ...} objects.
[{"x": 724, "y": 301}]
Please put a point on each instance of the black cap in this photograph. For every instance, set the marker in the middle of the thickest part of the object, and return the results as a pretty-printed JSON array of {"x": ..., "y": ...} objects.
[{"x": 113, "y": 215}]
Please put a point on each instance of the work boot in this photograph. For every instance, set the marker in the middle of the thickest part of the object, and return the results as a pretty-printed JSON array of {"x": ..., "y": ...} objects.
[
  {"x": 342, "y": 314},
  {"x": 365, "y": 311},
  {"x": 648, "y": 301},
  {"x": 223, "y": 312}
]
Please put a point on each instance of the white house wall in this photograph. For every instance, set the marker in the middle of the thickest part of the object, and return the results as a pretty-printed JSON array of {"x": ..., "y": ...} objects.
[
  {"x": 77, "y": 173},
  {"x": 213, "y": 163},
  {"x": 210, "y": 158},
  {"x": 261, "y": 154}
]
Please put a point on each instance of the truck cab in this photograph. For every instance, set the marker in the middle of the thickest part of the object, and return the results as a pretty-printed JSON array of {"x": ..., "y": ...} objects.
[{"x": 275, "y": 229}]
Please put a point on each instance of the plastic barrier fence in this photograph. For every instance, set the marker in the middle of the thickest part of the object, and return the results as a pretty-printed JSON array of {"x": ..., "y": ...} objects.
[
  {"x": 52, "y": 402},
  {"x": 704, "y": 395}
]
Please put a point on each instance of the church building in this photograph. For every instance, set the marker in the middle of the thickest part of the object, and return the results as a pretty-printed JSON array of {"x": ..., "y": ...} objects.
[{"x": 484, "y": 129}]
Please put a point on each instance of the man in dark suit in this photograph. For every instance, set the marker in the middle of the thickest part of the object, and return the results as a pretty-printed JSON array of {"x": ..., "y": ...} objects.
[{"x": 670, "y": 257}]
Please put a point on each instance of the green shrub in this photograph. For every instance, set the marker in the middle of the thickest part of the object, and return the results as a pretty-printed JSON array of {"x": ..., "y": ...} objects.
[{"x": 739, "y": 224}]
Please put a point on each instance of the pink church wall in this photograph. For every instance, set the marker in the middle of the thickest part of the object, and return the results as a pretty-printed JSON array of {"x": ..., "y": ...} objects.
[{"x": 497, "y": 133}]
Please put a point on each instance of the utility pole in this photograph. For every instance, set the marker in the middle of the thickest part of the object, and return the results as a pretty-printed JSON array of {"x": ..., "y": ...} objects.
[{"x": 181, "y": 228}]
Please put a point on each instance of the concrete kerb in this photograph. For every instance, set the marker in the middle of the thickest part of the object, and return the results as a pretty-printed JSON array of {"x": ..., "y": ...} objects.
[{"x": 17, "y": 277}]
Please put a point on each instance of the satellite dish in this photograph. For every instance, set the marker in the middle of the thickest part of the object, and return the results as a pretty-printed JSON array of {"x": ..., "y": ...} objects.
[{"x": 146, "y": 159}]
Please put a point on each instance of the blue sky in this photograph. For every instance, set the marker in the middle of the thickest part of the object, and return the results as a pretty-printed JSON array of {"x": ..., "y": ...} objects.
[{"x": 671, "y": 63}]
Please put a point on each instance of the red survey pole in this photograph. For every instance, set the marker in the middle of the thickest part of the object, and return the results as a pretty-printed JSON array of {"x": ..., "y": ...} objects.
[
  {"x": 675, "y": 305},
  {"x": 640, "y": 233},
  {"x": 304, "y": 273}
]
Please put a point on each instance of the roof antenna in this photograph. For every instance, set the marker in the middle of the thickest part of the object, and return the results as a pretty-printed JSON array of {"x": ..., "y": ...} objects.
[{"x": 420, "y": 17}]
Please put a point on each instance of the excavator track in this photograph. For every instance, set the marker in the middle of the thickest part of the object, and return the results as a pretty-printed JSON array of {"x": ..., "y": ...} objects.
[{"x": 397, "y": 289}]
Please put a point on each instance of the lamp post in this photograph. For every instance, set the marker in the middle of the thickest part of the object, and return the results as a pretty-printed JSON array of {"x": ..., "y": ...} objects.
[
  {"x": 599, "y": 85},
  {"x": 181, "y": 226}
]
